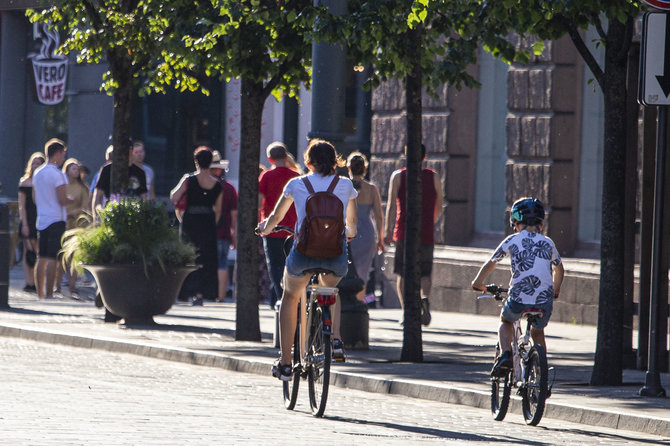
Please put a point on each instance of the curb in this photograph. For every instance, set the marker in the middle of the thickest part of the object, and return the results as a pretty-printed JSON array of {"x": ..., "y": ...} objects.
[{"x": 443, "y": 393}]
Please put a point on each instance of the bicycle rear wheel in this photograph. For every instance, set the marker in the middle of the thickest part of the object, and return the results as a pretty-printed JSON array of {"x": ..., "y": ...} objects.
[
  {"x": 535, "y": 391},
  {"x": 319, "y": 356},
  {"x": 501, "y": 389},
  {"x": 291, "y": 387}
]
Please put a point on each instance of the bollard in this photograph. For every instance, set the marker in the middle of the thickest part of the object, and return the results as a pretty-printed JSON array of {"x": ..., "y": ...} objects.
[
  {"x": 355, "y": 324},
  {"x": 275, "y": 337},
  {"x": 4, "y": 255}
]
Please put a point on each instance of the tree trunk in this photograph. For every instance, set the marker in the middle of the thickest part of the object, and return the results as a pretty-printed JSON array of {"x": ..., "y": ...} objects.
[
  {"x": 608, "y": 365},
  {"x": 123, "y": 108},
  {"x": 247, "y": 317},
  {"x": 412, "y": 345}
]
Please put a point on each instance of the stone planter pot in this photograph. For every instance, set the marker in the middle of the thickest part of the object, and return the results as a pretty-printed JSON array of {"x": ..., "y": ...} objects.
[{"x": 127, "y": 292}]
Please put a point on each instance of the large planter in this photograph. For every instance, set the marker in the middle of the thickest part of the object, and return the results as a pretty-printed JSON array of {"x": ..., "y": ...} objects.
[{"x": 135, "y": 296}]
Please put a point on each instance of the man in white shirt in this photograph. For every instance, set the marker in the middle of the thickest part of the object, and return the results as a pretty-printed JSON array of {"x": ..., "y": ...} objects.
[
  {"x": 50, "y": 199},
  {"x": 137, "y": 155}
]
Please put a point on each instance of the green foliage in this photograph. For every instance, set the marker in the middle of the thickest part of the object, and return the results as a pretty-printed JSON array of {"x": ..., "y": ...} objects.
[
  {"x": 376, "y": 31},
  {"x": 138, "y": 38},
  {"x": 265, "y": 42},
  {"x": 130, "y": 232}
]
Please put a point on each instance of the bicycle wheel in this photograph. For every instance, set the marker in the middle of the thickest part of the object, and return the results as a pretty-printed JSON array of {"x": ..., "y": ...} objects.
[
  {"x": 291, "y": 387},
  {"x": 534, "y": 394},
  {"x": 501, "y": 389},
  {"x": 319, "y": 356}
]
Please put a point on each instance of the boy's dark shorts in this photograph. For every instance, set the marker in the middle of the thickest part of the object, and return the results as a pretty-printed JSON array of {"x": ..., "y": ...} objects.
[
  {"x": 425, "y": 258},
  {"x": 49, "y": 240}
]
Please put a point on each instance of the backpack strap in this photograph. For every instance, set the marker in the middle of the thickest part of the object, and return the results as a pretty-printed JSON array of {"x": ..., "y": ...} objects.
[
  {"x": 333, "y": 183},
  {"x": 331, "y": 188},
  {"x": 308, "y": 185}
]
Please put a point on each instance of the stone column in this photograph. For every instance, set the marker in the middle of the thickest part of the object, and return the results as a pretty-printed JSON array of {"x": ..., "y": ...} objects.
[
  {"x": 328, "y": 85},
  {"x": 543, "y": 136}
]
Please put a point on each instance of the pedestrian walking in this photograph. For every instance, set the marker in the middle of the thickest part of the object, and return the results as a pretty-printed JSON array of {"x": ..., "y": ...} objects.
[
  {"x": 271, "y": 184},
  {"x": 396, "y": 210},
  {"x": 137, "y": 185},
  {"x": 28, "y": 215},
  {"x": 49, "y": 187},
  {"x": 226, "y": 228},
  {"x": 369, "y": 239},
  {"x": 137, "y": 155},
  {"x": 201, "y": 192},
  {"x": 75, "y": 216}
]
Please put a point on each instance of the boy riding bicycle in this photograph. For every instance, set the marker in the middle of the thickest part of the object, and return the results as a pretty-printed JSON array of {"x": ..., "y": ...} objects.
[{"x": 534, "y": 283}]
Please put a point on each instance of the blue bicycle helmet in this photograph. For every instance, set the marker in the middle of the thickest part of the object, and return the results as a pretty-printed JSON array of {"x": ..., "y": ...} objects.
[{"x": 527, "y": 211}]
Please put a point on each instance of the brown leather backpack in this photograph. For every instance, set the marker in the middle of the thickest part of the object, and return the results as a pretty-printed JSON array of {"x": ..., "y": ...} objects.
[{"x": 321, "y": 233}]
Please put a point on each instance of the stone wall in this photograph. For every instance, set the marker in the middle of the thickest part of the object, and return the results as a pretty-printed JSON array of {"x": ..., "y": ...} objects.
[
  {"x": 543, "y": 130},
  {"x": 455, "y": 267},
  {"x": 449, "y": 128}
]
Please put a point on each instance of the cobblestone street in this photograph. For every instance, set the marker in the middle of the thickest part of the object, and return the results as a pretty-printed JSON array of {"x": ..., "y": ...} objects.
[{"x": 56, "y": 395}]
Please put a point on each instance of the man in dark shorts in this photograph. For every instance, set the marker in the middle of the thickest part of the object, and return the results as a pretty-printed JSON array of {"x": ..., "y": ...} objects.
[
  {"x": 431, "y": 207},
  {"x": 50, "y": 199}
]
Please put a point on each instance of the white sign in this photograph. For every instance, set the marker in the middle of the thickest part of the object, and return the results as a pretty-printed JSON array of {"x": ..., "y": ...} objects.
[
  {"x": 49, "y": 68},
  {"x": 654, "y": 85}
]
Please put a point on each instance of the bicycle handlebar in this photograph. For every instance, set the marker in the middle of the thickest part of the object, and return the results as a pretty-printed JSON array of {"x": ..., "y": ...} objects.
[
  {"x": 496, "y": 291},
  {"x": 278, "y": 228}
]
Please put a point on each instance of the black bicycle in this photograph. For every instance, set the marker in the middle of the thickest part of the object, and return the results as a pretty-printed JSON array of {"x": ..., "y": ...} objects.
[
  {"x": 529, "y": 374},
  {"x": 312, "y": 346}
]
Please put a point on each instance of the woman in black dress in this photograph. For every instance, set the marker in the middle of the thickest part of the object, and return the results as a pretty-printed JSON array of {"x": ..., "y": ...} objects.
[
  {"x": 198, "y": 224},
  {"x": 28, "y": 214}
]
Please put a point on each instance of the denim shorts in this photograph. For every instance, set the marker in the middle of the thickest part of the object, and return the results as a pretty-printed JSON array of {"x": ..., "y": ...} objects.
[
  {"x": 512, "y": 311},
  {"x": 222, "y": 248},
  {"x": 297, "y": 264}
]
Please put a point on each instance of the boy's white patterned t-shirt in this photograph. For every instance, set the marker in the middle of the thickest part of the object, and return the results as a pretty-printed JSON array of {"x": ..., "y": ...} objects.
[{"x": 532, "y": 256}]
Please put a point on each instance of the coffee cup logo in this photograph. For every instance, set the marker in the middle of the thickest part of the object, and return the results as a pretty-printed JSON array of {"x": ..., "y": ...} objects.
[{"x": 50, "y": 69}]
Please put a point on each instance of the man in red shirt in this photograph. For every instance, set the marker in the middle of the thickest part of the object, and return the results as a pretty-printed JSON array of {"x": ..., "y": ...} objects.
[
  {"x": 270, "y": 188},
  {"x": 432, "y": 196}
]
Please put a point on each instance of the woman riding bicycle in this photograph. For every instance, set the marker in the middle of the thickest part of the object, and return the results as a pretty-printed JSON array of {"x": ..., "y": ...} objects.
[{"x": 321, "y": 159}]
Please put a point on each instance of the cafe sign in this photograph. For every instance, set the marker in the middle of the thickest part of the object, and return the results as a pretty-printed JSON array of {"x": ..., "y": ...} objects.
[{"x": 49, "y": 68}]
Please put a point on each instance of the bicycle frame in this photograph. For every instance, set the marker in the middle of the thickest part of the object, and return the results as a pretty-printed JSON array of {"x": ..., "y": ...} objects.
[
  {"x": 324, "y": 297},
  {"x": 520, "y": 349}
]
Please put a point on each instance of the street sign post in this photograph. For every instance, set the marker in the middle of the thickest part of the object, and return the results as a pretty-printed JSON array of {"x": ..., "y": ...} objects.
[
  {"x": 654, "y": 90},
  {"x": 654, "y": 85}
]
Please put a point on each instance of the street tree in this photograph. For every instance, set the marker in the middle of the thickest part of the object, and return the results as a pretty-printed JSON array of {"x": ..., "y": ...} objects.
[
  {"x": 426, "y": 43},
  {"x": 134, "y": 37},
  {"x": 613, "y": 20},
  {"x": 267, "y": 44}
]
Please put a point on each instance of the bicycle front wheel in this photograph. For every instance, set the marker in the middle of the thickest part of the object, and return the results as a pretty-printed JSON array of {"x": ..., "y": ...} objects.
[
  {"x": 535, "y": 391},
  {"x": 291, "y": 387},
  {"x": 501, "y": 389},
  {"x": 319, "y": 357}
]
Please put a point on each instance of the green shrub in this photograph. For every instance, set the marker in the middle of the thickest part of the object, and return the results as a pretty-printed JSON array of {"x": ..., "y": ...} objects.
[{"x": 130, "y": 232}]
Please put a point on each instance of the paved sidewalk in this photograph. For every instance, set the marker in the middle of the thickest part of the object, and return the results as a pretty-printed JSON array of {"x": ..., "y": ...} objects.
[{"x": 458, "y": 350}]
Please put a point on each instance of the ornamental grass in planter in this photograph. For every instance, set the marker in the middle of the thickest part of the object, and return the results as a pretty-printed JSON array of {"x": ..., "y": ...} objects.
[{"x": 136, "y": 257}]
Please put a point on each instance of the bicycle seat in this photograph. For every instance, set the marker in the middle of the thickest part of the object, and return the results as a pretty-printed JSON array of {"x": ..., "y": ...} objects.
[
  {"x": 532, "y": 312},
  {"x": 325, "y": 290}
]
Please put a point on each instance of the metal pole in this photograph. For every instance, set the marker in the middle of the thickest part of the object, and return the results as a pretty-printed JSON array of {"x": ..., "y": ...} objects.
[
  {"x": 652, "y": 386},
  {"x": 4, "y": 255}
]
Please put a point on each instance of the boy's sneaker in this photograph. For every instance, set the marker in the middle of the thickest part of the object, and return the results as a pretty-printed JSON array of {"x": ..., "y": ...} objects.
[
  {"x": 338, "y": 351},
  {"x": 503, "y": 364},
  {"x": 425, "y": 311},
  {"x": 283, "y": 372}
]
